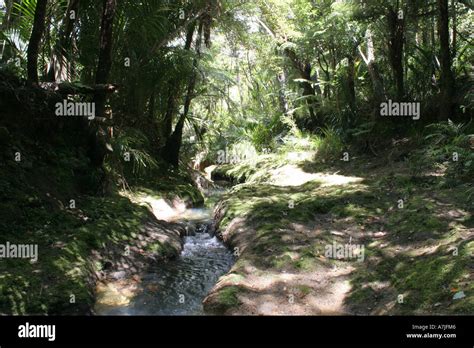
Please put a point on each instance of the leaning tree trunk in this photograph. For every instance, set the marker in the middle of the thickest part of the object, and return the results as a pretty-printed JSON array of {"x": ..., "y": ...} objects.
[
  {"x": 35, "y": 40},
  {"x": 446, "y": 78},
  {"x": 174, "y": 89},
  {"x": 173, "y": 144}
]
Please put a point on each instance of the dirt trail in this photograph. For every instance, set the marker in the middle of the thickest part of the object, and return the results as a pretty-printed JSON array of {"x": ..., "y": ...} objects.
[
  {"x": 321, "y": 289},
  {"x": 288, "y": 233}
]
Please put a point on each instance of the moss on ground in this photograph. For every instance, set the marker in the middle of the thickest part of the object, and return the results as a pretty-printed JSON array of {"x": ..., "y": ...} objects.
[
  {"x": 228, "y": 296},
  {"x": 224, "y": 300},
  {"x": 74, "y": 243},
  {"x": 65, "y": 239},
  {"x": 408, "y": 250},
  {"x": 168, "y": 184}
]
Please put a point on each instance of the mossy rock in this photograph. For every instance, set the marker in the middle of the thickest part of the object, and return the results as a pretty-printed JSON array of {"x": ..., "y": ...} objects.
[{"x": 223, "y": 300}]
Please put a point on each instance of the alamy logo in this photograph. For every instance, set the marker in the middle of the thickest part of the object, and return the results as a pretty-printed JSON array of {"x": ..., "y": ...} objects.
[
  {"x": 37, "y": 331},
  {"x": 22, "y": 251},
  {"x": 345, "y": 251},
  {"x": 405, "y": 109},
  {"x": 235, "y": 156},
  {"x": 69, "y": 108}
]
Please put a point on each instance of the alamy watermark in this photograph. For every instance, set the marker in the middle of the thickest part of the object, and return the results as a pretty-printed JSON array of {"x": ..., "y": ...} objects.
[
  {"x": 345, "y": 251},
  {"x": 236, "y": 156},
  {"x": 20, "y": 251},
  {"x": 28, "y": 330},
  {"x": 69, "y": 108},
  {"x": 402, "y": 109}
]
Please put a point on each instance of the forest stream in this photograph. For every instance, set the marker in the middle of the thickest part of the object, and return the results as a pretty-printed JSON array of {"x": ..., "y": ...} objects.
[{"x": 177, "y": 286}]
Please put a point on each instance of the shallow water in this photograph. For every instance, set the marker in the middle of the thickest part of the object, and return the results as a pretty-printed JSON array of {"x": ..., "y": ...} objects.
[{"x": 178, "y": 287}]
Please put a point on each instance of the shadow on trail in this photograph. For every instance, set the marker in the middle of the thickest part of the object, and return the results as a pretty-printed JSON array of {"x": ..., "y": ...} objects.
[{"x": 408, "y": 251}]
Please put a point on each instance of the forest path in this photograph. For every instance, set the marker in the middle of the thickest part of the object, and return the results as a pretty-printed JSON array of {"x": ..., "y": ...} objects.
[
  {"x": 282, "y": 274},
  {"x": 337, "y": 241}
]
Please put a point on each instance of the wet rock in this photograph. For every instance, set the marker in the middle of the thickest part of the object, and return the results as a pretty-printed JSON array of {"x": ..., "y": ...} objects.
[
  {"x": 118, "y": 275},
  {"x": 190, "y": 229}
]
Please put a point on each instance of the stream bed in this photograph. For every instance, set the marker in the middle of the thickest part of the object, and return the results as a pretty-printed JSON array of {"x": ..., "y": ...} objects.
[{"x": 178, "y": 286}]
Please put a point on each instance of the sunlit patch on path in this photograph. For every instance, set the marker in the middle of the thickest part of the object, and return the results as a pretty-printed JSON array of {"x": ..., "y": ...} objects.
[
  {"x": 292, "y": 175},
  {"x": 169, "y": 210}
]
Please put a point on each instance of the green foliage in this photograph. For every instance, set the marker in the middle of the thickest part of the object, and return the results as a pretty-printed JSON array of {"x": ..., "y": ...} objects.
[
  {"x": 131, "y": 145},
  {"x": 449, "y": 145},
  {"x": 331, "y": 145},
  {"x": 25, "y": 11}
]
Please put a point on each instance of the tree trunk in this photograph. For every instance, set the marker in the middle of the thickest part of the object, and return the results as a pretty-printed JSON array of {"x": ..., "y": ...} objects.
[
  {"x": 35, "y": 40},
  {"x": 281, "y": 80},
  {"x": 454, "y": 31},
  {"x": 446, "y": 78},
  {"x": 395, "y": 47},
  {"x": 105, "y": 53},
  {"x": 304, "y": 70},
  {"x": 174, "y": 90},
  {"x": 98, "y": 150},
  {"x": 173, "y": 144},
  {"x": 308, "y": 90},
  {"x": 377, "y": 82},
  {"x": 170, "y": 110},
  {"x": 351, "y": 80}
]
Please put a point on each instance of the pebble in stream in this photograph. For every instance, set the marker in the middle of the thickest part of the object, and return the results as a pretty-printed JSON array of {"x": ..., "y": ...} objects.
[{"x": 179, "y": 286}]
